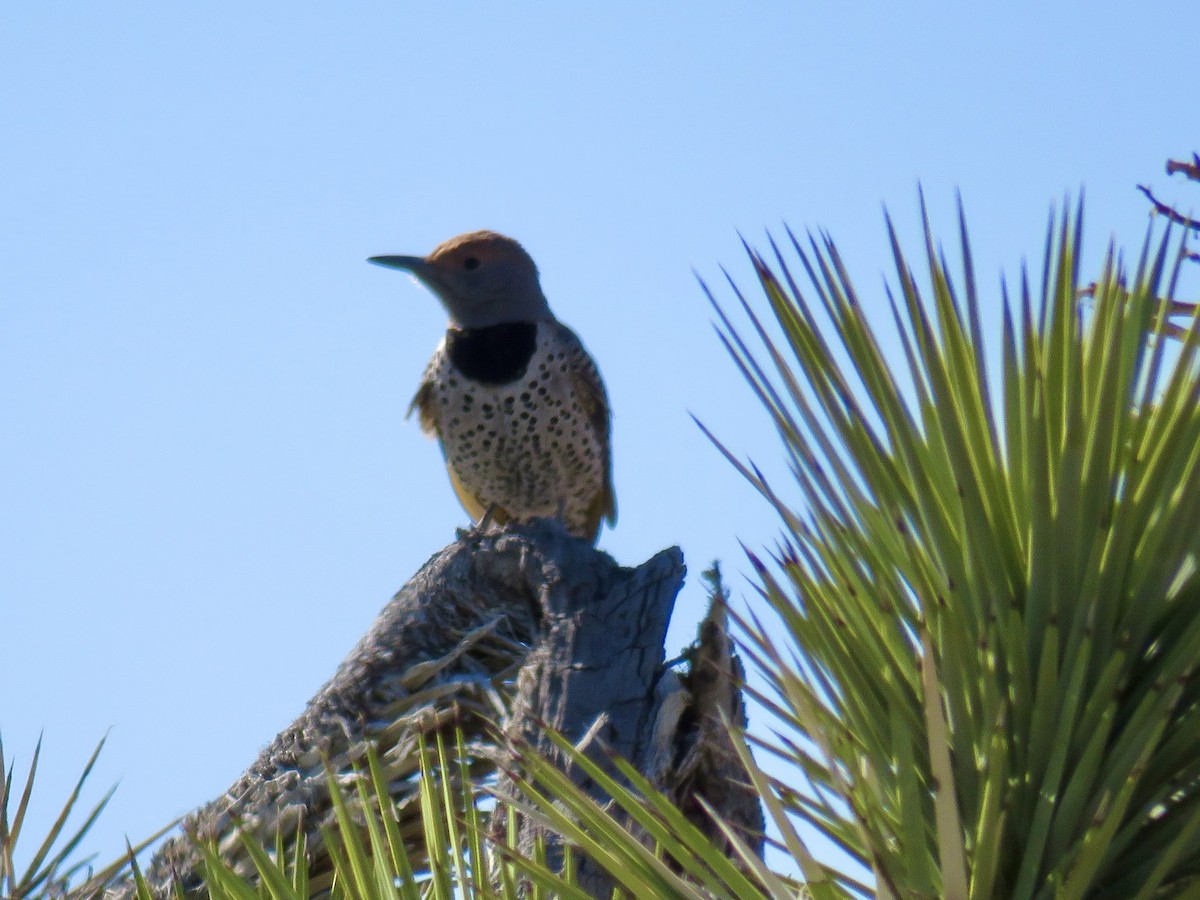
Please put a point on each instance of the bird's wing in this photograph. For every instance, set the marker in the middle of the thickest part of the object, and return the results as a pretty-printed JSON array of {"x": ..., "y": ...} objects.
[
  {"x": 425, "y": 399},
  {"x": 589, "y": 389}
]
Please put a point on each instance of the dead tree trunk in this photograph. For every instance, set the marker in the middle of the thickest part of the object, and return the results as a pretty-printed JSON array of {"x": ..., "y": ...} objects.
[
  {"x": 585, "y": 636},
  {"x": 596, "y": 676}
]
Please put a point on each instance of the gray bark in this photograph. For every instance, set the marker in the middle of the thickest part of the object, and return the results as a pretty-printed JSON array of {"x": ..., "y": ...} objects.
[
  {"x": 596, "y": 676},
  {"x": 584, "y": 634}
]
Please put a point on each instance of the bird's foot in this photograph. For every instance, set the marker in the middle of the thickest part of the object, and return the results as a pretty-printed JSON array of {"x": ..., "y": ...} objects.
[
  {"x": 486, "y": 520},
  {"x": 479, "y": 529}
]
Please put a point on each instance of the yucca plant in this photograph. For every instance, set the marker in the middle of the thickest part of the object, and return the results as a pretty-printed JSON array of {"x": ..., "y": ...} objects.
[
  {"x": 52, "y": 866},
  {"x": 650, "y": 848},
  {"x": 985, "y": 686},
  {"x": 55, "y": 868},
  {"x": 461, "y": 860}
]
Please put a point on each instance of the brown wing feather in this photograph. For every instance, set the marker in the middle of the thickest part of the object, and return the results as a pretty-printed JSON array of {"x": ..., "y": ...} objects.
[
  {"x": 425, "y": 403},
  {"x": 589, "y": 389}
]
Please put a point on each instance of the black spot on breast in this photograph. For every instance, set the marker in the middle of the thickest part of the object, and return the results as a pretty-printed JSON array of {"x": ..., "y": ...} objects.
[{"x": 498, "y": 354}]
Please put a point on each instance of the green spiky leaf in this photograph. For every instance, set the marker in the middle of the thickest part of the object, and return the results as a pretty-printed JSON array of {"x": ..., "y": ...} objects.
[{"x": 988, "y": 592}]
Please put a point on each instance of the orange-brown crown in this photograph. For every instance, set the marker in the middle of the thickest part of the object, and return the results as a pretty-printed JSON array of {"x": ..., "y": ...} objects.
[{"x": 467, "y": 251}]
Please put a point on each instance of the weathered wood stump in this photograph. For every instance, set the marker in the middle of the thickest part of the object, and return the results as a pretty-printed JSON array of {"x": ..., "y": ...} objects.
[{"x": 581, "y": 638}]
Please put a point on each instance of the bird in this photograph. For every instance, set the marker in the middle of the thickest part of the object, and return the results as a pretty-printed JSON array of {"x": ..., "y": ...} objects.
[{"x": 511, "y": 394}]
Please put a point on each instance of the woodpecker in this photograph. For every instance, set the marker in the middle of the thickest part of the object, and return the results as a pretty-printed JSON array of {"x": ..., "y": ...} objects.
[{"x": 510, "y": 393}]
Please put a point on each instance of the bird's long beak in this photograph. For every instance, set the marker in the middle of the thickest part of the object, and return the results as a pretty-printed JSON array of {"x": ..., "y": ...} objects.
[{"x": 415, "y": 264}]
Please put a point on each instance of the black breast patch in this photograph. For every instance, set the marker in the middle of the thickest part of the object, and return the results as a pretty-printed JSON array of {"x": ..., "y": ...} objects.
[{"x": 498, "y": 354}]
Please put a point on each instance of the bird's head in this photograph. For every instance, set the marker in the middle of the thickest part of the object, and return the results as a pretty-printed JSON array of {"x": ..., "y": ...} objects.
[{"x": 482, "y": 278}]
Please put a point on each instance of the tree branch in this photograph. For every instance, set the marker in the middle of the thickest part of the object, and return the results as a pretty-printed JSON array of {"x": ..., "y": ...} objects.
[
  {"x": 1169, "y": 211},
  {"x": 1191, "y": 169}
]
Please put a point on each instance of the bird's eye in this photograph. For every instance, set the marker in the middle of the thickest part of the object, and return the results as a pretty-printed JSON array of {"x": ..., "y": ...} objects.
[{"x": 470, "y": 263}]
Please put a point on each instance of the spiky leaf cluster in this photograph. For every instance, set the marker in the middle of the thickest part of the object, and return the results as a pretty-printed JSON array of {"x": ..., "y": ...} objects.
[{"x": 988, "y": 585}]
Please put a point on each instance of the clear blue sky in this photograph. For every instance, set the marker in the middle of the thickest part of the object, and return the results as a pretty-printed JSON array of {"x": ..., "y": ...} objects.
[{"x": 207, "y": 488}]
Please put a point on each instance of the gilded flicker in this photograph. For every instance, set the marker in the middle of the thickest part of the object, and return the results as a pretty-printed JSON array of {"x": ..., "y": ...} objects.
[{"x": 512, "y": 395}]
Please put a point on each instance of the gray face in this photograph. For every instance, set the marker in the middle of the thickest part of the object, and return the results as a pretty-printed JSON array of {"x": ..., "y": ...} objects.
[
  {"x": 493, "y": 291},
  {"x": 481, "y": 282}
]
